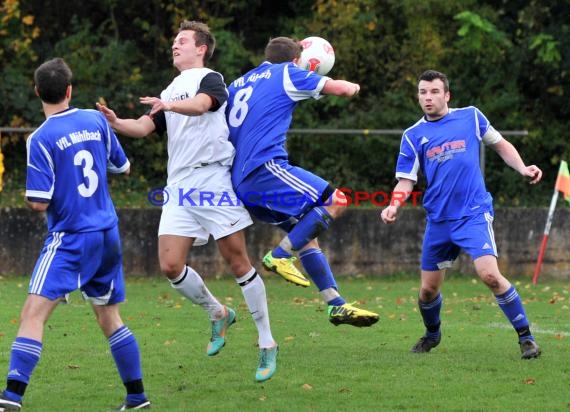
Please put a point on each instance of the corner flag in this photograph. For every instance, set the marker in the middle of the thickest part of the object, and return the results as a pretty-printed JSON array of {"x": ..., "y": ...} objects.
[
  {"x": 562, "y": 185},
  {"x": 563, "y": 180}
]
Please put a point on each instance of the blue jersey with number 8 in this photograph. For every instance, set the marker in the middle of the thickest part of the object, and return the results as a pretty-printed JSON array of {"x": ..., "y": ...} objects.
[{"x": 260, "y": 109}]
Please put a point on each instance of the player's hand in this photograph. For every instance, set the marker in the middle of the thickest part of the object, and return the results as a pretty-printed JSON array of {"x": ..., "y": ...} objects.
[
  {"x": 108, "y": 113},
  {"x": 533, "y": 173},
  {"x": 156, "y": 103},
  {"x": 389, "y": 215}
]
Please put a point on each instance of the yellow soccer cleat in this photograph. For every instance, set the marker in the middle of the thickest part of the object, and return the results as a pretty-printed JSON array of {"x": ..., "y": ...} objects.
[
  {"x": 285, "y": 268},
  {"x": 351, "y": 315}
]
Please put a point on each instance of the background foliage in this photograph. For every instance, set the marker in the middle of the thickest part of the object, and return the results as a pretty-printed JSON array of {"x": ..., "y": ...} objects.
[{"x": 509, "y": 58}]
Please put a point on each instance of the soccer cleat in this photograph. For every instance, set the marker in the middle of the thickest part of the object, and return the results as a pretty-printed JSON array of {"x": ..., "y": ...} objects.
[
  {"x": 425, "y": 344},
  {"x": 8, "y": 404},
  {"x": 267, "y": 364},
  {"x": 285, "y": 268},
  {"x": 142, "y": 405},
  {"x": 219, "y": 328},
  {"x": 529, "y": 349},
  {"x": 351, "y": 315}
]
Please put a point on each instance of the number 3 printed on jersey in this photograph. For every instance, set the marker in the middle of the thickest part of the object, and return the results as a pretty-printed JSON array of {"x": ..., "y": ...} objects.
[
  {"x": 240, "y": 108},
  {"x": 84, "y": 159}
]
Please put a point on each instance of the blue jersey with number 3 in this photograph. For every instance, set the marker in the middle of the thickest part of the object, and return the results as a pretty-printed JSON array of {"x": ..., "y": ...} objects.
[
  {"x": 260, "y": 109},
  {"x": 68, "y": 159}
]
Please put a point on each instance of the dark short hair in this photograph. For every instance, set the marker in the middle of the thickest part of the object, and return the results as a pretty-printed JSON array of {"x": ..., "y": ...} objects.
[
  {"x": 51, "y": 79},
  {"x": 431, "y": 75},
  {"x": 202, "y": 36},
  {"x": 282, "y": 49}
]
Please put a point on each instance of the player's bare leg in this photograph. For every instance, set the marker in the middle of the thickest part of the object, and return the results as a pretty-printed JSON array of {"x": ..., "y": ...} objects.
[{"x": 172, "y": 253}]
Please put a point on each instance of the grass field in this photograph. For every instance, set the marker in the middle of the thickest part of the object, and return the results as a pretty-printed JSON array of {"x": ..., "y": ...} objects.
[{"x": 477, "y": 367}]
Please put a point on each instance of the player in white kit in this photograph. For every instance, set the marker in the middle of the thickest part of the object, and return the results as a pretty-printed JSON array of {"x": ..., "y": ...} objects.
[{"x": 199, "y": 200}]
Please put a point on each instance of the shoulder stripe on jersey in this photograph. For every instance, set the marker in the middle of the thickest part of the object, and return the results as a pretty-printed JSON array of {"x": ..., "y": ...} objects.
[
  {"x": 47, "y": 155},
  {"x": 420, "y": 121},
  {"x": 45, "y": 263}
]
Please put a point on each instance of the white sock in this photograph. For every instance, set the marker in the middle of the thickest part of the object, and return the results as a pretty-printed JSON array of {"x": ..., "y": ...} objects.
[
  {"x": 329, "y": 294},
  {"x": 253, "y": 290},
  {"x": 190, "y": 285}
]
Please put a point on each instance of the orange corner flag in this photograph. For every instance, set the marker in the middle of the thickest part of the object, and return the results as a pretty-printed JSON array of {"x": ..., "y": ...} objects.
[{"x": 563, "y": 180}]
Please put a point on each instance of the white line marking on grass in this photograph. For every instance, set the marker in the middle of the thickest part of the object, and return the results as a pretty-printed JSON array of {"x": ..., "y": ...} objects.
[{"x": 535, "y": 329}]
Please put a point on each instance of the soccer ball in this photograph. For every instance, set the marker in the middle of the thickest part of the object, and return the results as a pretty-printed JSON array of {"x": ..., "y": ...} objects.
[{"x": 317, "y": 55}]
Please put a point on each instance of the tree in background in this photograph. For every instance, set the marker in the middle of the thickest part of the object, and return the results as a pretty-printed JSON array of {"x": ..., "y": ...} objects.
[{"x": 512, "y": 59}]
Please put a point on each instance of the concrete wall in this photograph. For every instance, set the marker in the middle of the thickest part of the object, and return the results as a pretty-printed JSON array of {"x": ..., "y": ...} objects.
[{"x": 358, "y": 243}]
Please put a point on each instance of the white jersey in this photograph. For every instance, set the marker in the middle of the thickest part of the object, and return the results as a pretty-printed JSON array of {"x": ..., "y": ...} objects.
[{"x": 195, "y": 141}]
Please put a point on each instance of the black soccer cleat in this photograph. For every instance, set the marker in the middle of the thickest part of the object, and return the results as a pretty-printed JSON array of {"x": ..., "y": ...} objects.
[
  {"x": 425, "y": 344},
  {"x": 8, "y": 404},
  {"x": 529, "y": 349}
]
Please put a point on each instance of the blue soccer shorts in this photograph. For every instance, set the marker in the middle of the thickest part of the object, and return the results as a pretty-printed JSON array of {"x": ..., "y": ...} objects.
[
  {"x": 444, "y": 240},
  {"x": 278, "y": 193},
  {"x": 89, "y": 261}
]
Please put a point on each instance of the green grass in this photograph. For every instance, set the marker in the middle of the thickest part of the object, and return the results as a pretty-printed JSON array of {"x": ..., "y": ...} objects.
[{"x": 477, "y": 367}]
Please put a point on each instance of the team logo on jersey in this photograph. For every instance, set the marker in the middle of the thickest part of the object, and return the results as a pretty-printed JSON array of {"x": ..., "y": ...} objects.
[{"x": 446, "y": 151}]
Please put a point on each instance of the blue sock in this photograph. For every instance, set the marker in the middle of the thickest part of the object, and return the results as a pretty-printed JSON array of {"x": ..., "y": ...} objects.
[
  {"x": 135, "y": 398},
  {"x": 338, "y": 301},
  {"x": 316, "y": 221},
  {"x": 430, "y": 314},
  {"x": 317, "y": 267},
  {"x": 279, "y": 252},
  {"x": 512, "y": 306},
  {"x": 23, "y": 360},
  {"x": 126, "y": 354}
]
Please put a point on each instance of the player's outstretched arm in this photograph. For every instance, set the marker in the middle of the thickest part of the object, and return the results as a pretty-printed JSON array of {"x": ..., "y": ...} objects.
[
  {"x": 341, "y": 88},
  {"x": 196, "y": 106},
  {"x": 141, "y": 127},
  {"x": 512, "y": 158}
]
